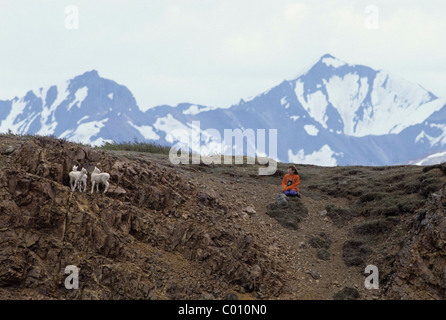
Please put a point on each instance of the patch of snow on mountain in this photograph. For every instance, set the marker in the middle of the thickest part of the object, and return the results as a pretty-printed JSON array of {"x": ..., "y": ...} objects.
[
  {"x": 146, "y": 131},
  {"x": 84, "y": 133},
  {"x": 418, "y": 114},
  {"x": 314, "y": 103},
  {"x": 110, "y": 96},
  {"x": 438, "y": 141},
  {"x": 193, "y": 110},
  {"x": 311, "y": 130},
  {"x": 346, "y": 94},
  {"x": 174, "y": 129},
  {"x": 82, "y": 119},
  {"x": 80, "y": 96},
  {"x": 48, "y": 120},
  {"x": 333, "y": 62},
  {"x": 441, "y": 139},
  {"x": 422, "y": 136},
  {"x": 284, "y": 102},
  {"x": 30, "y": 120},
  {"x": 9, "y": 122},
  {"x": 100, "y": 141},
  {"x": 211, "y": 143},
  {"x": 397, "y": 105},
  {"x": 435, "y": 158},
  {"x": 323, "y": 157}
]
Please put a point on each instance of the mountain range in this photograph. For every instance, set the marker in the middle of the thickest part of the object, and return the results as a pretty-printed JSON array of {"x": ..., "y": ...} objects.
[{"x": 334, "y": 113}]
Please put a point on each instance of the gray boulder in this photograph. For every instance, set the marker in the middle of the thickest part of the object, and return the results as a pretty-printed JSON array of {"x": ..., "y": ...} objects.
[{"x": 287, "y": 211}]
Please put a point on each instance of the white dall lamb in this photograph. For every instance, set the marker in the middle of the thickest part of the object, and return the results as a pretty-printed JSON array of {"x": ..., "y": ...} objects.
[
  {"x": 76, "y": 177},
  {"x": 98, "y": 177},
  {"x": 83, "y": 181}
]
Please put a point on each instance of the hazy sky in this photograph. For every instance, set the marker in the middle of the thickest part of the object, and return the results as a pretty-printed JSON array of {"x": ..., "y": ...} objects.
[{"x": 214, "y": 52}]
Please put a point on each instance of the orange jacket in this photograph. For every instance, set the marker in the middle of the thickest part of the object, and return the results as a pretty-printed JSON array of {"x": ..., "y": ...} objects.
[{"x": 291, "y": 182}]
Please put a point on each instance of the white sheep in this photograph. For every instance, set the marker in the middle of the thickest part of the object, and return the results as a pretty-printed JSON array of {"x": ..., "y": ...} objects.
[
  {"x": 76, "y": 177},
  {"x": 83, "y": 180},
  {"x": 98, "y": 177}
]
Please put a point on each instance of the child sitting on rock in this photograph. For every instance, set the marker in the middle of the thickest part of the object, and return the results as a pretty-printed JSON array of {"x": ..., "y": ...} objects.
[{"x": 290, "y": 182}]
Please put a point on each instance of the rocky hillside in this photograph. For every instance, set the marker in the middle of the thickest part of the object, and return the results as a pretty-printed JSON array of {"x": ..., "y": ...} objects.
[{"x": 214, "y": 231}]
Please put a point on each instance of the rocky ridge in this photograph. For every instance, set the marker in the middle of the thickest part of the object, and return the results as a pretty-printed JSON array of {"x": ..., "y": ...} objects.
[{"x": 153, "y": 235}]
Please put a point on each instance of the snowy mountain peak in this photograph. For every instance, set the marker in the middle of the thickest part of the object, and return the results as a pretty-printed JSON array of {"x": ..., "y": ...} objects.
[
  {"x": 92, "y": 74},
  {"x": 357, "y": 100},
  {"x": 324, "y": 63},
  {"x": 331, "y": 61},
  {"x": 327, "y": 55},
  {"x": 81, "y": 109}
]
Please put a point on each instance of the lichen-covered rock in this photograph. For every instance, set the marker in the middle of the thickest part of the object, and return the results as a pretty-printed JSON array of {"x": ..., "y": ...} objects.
[
  {"x": 419, "y": 271},
  {"x": 355, "y": 253},
  {"x": 347, "y": 293},
  {"x": 287, "y": 211}
]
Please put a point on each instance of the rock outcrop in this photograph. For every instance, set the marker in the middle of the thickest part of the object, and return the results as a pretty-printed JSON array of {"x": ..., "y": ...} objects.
[
  {"x": 419, "y": 271},
  {"x": 288, "y": 211}
]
